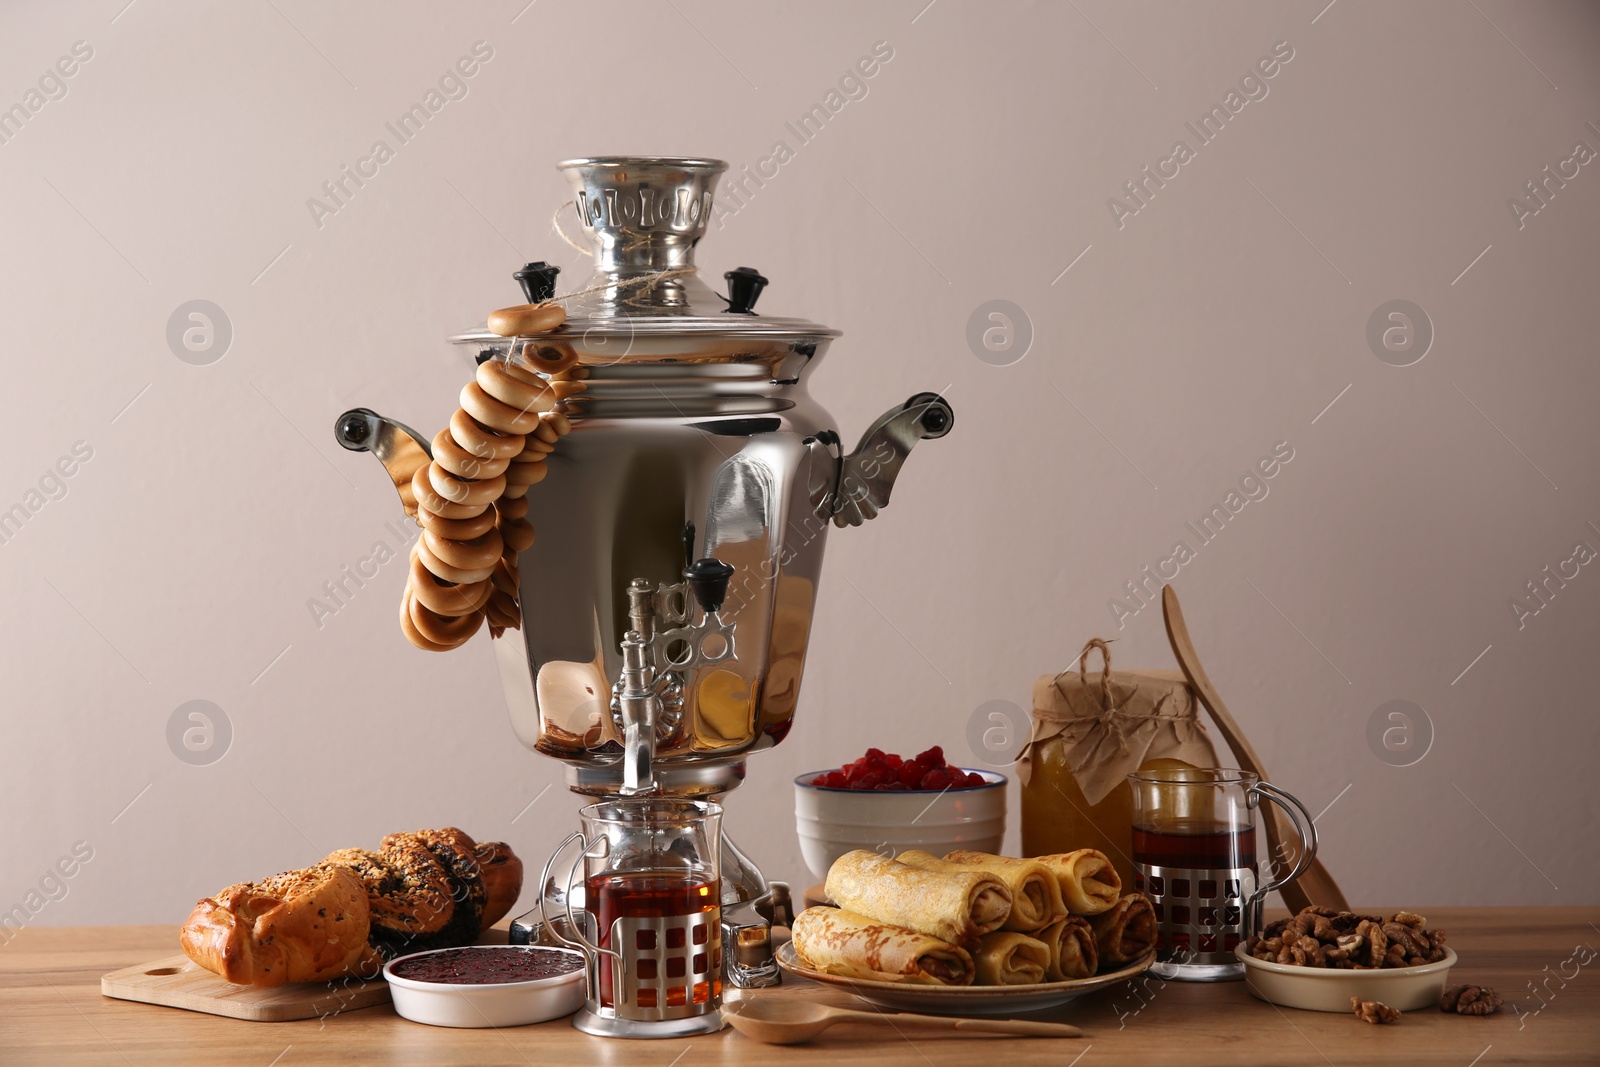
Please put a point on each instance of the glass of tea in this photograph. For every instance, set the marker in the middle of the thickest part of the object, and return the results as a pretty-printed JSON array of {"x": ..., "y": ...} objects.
[
  {"x": 651, "y": 916},
  {"x": 1194, "y": 856}
]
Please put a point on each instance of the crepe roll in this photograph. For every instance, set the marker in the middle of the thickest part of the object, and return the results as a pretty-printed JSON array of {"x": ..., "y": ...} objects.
[
  {"x": 954, "y": 906},
  {"x": 1073, "y": 953},
  {"x": 1126, "y": 932},
  {"x": 1009, "y": 958},
  {"x": 1035, "y": 892},
  {"x": 1089, "y": 883},
  {"x": 853, "y": 946}
]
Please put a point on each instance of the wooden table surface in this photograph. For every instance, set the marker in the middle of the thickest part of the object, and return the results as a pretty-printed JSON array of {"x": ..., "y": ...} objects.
[{"x": 51, "y": 1011}]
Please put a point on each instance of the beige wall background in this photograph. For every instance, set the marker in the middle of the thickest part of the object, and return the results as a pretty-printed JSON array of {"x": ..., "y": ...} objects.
[{"x": 1172, "y": 346}]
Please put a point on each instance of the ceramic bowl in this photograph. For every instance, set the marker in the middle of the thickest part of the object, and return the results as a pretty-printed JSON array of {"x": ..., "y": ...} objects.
[
  {"x": 490, "y": 1004},
  {"x": 1320, "y": 989},
  {"x": 831, "y": 822}
]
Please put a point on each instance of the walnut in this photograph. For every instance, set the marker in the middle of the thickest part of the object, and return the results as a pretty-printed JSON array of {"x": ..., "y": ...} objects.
[
  {"x": 1302, "y": 924},
  {"x": 1350, "y": 942},
  {"x": 1409, "y": 918},
  {"x": 1471, "y": 1000},
  {"x": 1307, "y": 952},
  {"x": 1323, "y": 929},
  {"x": 1436, "y": 937},
  {"x": 1319, "y": 909},
  {"x": 1346, "y": 921},
  {"x": 1395, "y": 957},
  {"x": 1274, "y": 928},
  {"x": 1407, "y": 939},
  {"x": 1377, "y": 943},
  {"x": 1373, "y": 1011}
]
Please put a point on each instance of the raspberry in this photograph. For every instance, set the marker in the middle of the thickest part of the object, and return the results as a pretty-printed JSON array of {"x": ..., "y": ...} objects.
[
  {"x": 894, "y": 787},
  {"x": 874, "y": 755},
  {"x": 895, "y": 762},
  {"x": 911, "y": 773},
  {"x": 836, "y": 780},
  {"x": 871, "y": 780},
  {"x": 934, "y": 757},
  {"x": 936, "y": 778},
  {"x": 821, "y": 779}
]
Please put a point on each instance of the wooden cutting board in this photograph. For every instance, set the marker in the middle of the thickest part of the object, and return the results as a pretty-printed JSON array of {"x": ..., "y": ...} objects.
[{"x": 179, "y": 982}]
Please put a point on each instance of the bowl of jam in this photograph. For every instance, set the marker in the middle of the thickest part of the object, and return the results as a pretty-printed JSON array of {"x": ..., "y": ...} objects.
[{"x": 487, "y": 985}]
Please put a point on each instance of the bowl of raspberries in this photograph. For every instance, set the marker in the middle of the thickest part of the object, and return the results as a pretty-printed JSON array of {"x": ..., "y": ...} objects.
[{"x": 890, "y": 803}]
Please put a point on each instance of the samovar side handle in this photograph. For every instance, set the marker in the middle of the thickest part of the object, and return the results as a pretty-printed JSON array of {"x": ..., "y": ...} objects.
[
  {"x": 866, "y": 476},
  {"x": 397, "y": 446}
]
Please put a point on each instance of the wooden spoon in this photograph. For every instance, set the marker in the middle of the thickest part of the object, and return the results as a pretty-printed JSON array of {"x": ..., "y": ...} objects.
[
  {"x": 789, "y": 1021},
  {"x": 1316, "y": 885}
]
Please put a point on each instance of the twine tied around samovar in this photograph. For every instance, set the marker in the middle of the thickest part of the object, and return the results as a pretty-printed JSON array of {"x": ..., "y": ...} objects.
[{"x": 644, "y": 281}]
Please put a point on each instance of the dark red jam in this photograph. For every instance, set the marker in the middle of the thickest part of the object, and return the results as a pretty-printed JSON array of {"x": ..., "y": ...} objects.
[{"x": 488, "y": 966}]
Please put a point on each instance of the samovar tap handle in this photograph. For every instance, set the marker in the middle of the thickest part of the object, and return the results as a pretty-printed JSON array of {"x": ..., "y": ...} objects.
[
  {"x": 640, "y": 708},
  {"x": 866, "y": 476}
]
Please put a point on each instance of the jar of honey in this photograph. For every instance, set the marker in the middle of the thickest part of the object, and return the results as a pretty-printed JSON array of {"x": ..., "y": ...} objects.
[{"x": 1089, "y": 732}]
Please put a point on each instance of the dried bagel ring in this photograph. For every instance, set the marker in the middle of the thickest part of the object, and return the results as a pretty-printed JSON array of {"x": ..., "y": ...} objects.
[
  {"x": 458, "y": 529},
  {"x": 518, "y": 535},
  {"x": 422, "y": 489},
  {"x": 548, "y": 356},
  {"x": 482, "y": 441},
  {"x": 414, "y": 635},
  {"x": 502, "y": 611},
  {"x": 463, "y": 491},
  {"x": 452, "y": 631},
  {"x": 526, "y": 318},
  {"x": 440, "y": 569},
  {"x": 505, "y": 578},
  {"x": 545, "y": 432},
  {"x": 460, "y": 491},
  {"x": 447, "y": 599},
  {"x": 463, "y": 464},
  {"x": 509, "y": 389},
  {"x": 476, "y": 401},
  {"x": 522, "y": 475},
  {"x": 476, "y": 554}
]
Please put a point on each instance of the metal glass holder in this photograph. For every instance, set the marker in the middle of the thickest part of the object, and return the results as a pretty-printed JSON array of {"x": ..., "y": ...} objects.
[{"x": 666, "y": 971}]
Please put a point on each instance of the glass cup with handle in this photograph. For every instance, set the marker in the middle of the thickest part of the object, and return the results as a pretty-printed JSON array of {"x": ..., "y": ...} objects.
[
  {"x": 650, "y": 923},
  {"x": 1194, "y": 856}
]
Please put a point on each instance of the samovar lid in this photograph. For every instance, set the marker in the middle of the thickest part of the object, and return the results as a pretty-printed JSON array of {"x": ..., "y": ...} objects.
[{"x": 643, "y": 216}]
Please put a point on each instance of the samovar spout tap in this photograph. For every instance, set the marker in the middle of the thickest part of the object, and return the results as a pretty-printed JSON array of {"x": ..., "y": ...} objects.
[{"x": 640, "y": 708}]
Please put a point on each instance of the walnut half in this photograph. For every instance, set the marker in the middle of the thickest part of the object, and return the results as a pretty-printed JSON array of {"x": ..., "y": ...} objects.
[
  {"x": 1373, "y": 1011},
  {"x": 1470, "y": 1000}
]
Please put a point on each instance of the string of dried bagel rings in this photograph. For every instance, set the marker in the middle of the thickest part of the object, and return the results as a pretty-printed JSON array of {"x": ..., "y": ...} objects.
[{"x": 471, "y": 499}]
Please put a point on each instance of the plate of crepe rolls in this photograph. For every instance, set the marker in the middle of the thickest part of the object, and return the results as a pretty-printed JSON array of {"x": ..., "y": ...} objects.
[{"x": 972, "y": 933}]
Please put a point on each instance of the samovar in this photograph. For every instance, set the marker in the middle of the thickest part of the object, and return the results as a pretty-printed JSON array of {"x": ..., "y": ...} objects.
[{"x": 667, "y": 602}]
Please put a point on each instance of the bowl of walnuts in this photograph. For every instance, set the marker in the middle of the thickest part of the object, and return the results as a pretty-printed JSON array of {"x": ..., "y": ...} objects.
[{"x": 1327, "y": 960}]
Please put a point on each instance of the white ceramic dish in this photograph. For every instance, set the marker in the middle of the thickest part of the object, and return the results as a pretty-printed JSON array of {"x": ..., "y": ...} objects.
[
  {"x": 831, "y": 822},
  {"x": 1320, "y": 989},
  {"x": 490, "y": 1004},
  {"x": 964, "y": 1000}
]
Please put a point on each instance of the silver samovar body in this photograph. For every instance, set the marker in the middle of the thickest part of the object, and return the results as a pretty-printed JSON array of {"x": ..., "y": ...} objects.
[{"x": 667, "y": 599}]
